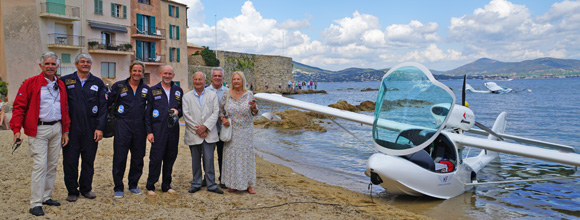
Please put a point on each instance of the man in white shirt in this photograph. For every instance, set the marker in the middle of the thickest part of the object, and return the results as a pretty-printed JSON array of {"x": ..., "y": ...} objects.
[{"x": 217, "y": 76}]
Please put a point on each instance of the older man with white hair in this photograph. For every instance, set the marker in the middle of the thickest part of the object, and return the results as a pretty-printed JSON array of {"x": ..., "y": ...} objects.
[
  {"x": 41, "y": 108},
  {"x": 200, "y": 110}
]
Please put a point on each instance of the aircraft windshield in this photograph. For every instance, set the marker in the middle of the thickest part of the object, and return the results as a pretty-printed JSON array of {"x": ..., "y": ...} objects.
[{"x": 411, "y": 109}]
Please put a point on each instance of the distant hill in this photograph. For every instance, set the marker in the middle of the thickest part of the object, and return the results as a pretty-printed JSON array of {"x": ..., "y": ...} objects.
[
  {"x": 481, "y": 68},
  {"x": 304, "y": 72},
  {"x": 526, "y": 68}
]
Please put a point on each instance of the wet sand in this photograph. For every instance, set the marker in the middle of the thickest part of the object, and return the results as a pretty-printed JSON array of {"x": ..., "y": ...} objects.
[{"x": 281, "y": 194}]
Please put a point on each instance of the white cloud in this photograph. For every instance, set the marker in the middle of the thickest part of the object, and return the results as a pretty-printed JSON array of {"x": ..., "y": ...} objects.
[
  {"x": 349, "y": 30},
  {"x": 293, "y": 24},
  {"x": 195, "y": 15},
  {"x": 414, "y": 34},
  {"x": 499, "y": 30}
]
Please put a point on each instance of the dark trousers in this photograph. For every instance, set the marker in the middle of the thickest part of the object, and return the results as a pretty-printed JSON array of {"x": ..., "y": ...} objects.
[
  {"x": 220, "y": 153},
  {"x": 162, "y": 155},
  {"x": 128, "y": 139},
  {"x": 86, "y": 148},
  {"x": 207, "y": 150}
]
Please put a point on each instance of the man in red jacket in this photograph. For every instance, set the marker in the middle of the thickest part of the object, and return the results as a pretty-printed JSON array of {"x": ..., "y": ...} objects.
[{"x": 41, "y": 107}]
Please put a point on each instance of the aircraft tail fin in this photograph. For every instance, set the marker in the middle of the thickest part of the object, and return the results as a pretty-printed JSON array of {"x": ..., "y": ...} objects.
[{"x": 499, "y": 128}]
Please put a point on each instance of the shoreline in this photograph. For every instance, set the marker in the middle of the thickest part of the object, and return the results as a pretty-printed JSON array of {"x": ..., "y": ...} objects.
[{"x": 281, "y": 193}]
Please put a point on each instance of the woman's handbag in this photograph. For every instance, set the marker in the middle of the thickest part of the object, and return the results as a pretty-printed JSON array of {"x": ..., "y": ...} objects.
[{"x": 226, "y": 132}]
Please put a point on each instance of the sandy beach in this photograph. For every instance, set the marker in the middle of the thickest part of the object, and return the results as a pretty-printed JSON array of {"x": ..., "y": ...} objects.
[{"x": 281, "y": 194}]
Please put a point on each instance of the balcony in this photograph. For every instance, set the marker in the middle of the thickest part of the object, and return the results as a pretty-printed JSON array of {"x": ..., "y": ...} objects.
[
  {"x": 144, "y": 32},
  {"x": 59, "y": 11},
  {"x": 158, "y": 60},
  {"x": 113, "y": 47},
  {"x": 65, "y": 41}
]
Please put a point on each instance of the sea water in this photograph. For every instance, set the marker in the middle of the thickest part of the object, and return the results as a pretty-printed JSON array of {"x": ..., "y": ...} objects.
[{"x": 542, "y": 109}]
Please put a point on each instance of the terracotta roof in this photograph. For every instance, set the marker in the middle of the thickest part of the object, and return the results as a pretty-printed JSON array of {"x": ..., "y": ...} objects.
[{"x": 193, "y": 45}]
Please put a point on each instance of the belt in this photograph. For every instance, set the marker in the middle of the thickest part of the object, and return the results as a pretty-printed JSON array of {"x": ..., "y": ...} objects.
[{"x": 47, "y": 123}]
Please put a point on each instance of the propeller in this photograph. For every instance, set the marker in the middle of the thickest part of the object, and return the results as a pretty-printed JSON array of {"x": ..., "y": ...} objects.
[{"x": 477, "y": 124}]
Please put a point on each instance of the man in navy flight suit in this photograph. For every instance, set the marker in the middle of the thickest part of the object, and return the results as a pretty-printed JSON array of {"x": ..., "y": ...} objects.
[
  {"x": 130, "y": 134},
  {"x": 165, "y": 99},
  {"x": 87, "y": 111}
]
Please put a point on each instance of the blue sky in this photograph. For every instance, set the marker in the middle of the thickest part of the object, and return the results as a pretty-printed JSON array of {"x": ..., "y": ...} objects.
[{"x": 442, "y": 35}]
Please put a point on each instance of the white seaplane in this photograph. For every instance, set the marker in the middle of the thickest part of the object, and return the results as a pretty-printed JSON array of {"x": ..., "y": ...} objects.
[
  {"x": 492, "y": 88},
  {"x": 420, "y": 145}
]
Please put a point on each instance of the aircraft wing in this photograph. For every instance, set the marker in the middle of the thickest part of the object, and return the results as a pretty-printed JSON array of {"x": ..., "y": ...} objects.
[
  {"x": 524, "y": 140},
  {"x": 347, "y": 115},
  {"x": 516, "y": 149},
  {"x": 351, "y": 116}
]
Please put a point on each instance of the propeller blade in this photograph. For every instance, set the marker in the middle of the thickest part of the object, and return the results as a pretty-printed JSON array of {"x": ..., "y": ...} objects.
[
  {"x": 463, "y": 90},
  {"x": 489, "y": 131}
]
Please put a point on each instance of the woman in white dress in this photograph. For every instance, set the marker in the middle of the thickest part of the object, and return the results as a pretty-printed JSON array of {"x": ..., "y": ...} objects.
[{"x": 239, "y": 163}]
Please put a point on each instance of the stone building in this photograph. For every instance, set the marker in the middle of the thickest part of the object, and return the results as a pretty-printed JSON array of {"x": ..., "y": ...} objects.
[
  {"x": 258, "y": 69},
  {"x": 114, "y": 32}
]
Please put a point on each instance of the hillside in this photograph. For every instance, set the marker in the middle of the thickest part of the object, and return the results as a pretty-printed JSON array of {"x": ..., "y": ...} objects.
[
  {"x": 527, "y": 68},
  {"x": 481, "y": 68},
  {"x": 304, "y": 72}
]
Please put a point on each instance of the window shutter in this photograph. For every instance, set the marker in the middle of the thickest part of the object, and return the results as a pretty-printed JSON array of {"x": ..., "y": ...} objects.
[
  {"x": 140, "y": 24},
  {"x": 124, "y": 12},
  {"x": 113, "y": 10},
  {"x": 177, "y": 32},
  {"x": 176, "y": 12},
  {"x": 170, "y": 31},
  {"x": 139, "y": 53},
  {"x": 170, "y": 12},
  {"x": 171, "y": 54},
  {"x": 177, "y": 55},
  {"x": 99, "y": 7},
  {"x": 152, "y": 50},
  {"x": 152, "y": 25}
]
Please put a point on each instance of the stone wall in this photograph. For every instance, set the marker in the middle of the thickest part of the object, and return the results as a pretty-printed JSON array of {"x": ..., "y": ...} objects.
[{"x": 258, "y": 69}]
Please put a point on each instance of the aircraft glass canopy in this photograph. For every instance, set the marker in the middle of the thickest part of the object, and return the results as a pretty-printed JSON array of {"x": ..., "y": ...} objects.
[{"x": 411, "y": 109}]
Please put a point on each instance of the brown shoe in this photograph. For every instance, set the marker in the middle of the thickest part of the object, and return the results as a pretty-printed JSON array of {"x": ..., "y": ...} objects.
[
  {"x": 72, "y": 198},
  {"x": 89, "y": 195}
]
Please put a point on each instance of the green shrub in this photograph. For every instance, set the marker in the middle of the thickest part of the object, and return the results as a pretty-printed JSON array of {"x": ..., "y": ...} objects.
[
  {"x": 209, "y": 57},
  {"x": 3, "y": 88}
]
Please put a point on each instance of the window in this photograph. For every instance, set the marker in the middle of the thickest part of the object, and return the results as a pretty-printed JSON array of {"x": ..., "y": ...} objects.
[
  {"x": 173, "y": 11},
  {"x": 145, "y": 51},
  {"x": 99, "y": 7},
  {"x": 176, "y": 32},
  {"x": 171, "y": 52},
  {"x": 107, "y": 70},
  {"x": 174, "y": 54},
  {"x": 146, "y": 24},
  {"x": 106, "y": 38},
  {"x": 145, "y": 1},
  {"x": 65, "y": 57},
  {"x": 118, "y": 11},
  {"x": 173, "y": 31}
]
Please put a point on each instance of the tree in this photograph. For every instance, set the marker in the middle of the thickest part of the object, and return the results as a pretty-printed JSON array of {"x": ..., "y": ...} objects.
[
  {"x": 3, "y": 88},
  {"x": 209, "y": 57}
]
